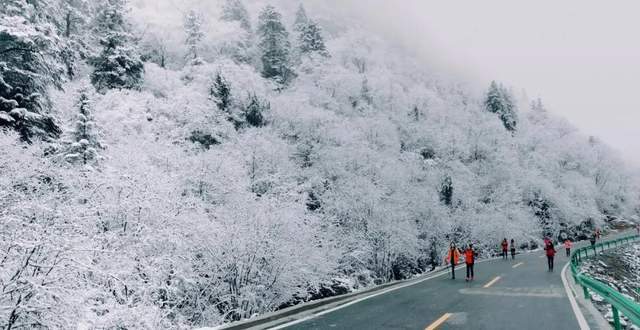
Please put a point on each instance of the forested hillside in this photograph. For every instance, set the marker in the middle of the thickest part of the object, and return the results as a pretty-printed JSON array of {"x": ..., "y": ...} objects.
[{"x": 168, "y": 166}]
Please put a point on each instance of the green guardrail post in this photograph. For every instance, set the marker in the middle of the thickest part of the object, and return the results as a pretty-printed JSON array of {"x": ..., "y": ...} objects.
[
  {"x": 616, "y": 318},
  {"x": 586, "y": 292}
]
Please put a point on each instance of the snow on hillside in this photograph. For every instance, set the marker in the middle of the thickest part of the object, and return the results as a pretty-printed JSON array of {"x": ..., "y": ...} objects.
[{"x": 257, "y": 163}]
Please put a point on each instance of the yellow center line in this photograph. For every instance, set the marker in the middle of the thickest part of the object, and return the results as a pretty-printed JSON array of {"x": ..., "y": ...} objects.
[
  {"x": 492, "y": 282},
  {"x": 438, "y": 322},
  {"x": 517, "y": 265}
]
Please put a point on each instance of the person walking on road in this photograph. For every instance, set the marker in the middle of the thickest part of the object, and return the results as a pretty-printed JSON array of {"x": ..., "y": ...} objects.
[
  {"x": 593, "y": 242},
  {"x": 551, "y": 253},
  {"x": 469, "y": 258},
  {"x": 505, "y": 248},
  {"x": 513, "y": 249},
  {"x": 452, "y": 258},
  {"x": 598, "y": 234},
  {"x": 567, "y": 246}
]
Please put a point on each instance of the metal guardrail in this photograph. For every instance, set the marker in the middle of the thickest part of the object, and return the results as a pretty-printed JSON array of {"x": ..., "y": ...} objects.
[{"x": 619, "y": 303}]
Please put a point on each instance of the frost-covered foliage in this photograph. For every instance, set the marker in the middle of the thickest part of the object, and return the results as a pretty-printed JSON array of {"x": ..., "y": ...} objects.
[
  {"x": 235, "y": 11},
  {"x": 220, "y": 195}
]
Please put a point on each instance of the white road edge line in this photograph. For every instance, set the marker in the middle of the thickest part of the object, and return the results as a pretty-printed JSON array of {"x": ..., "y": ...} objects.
[
  {"x": 312, "y": 316},
  {"x": 572, "y": 300},
  {"x": 517, "y": 265}
]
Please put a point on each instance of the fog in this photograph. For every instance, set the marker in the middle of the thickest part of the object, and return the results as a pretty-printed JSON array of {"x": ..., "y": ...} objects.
[{"x": 581, "y": 57}]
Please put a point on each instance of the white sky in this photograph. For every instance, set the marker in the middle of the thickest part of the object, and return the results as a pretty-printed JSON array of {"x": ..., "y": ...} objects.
[{"x": 581, "y": 56}]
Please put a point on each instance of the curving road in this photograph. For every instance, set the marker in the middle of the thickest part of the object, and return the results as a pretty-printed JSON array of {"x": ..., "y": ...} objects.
[{"x": 513, "y": 294}]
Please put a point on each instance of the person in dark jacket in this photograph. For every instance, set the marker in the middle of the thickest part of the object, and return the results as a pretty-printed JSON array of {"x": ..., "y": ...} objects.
[
  {"x": 593, "y": 242},
  {"x": 551, "y": 253},
  {"x": 513, "y": 249}
]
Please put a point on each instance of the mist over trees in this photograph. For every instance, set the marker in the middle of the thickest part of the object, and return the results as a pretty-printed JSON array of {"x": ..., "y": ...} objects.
[{"x": 288, "y": 165}]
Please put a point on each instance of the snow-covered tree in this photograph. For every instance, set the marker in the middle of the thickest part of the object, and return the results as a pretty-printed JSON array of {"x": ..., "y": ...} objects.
[
  {"x": 310, "y": 40},
  {"x": 446, "y": 191},
  {"x": 119, "y": 64},
  {"x": 29, "y": 65},
  {"x": 235, "y": 11},
  {"x": 500, "y": 102},
  {"x": 84, "y": 144},
  {"x": 193, "y": 29},
  {"x": 274, "y": 46},
  {"x": 254, "y": 111},
  {"x": 301, "y": 20},
  {"x": 538, "y": 106},
  {"x": 221, "y": 93}
]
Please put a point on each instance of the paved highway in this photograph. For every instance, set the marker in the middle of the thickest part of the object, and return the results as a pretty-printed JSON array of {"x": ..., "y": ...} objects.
[{"x": 513, "y": 294}]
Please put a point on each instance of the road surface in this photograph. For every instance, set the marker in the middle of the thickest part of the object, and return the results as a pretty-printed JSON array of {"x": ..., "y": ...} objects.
[{"x": 513, "y": 294}]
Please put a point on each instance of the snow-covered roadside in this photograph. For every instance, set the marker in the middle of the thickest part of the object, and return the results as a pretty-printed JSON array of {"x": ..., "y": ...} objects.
[{"x": 620, "y": 269}]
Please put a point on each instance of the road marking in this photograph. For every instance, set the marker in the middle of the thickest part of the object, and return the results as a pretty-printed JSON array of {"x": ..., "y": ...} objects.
[
  {"x": 438, "y": 322},
  {"x": 542, "y": 256},
  {"x": 517, "y": 265},
  {"x": 492, "y": 282},
  {"x": 572, "y": 300}
]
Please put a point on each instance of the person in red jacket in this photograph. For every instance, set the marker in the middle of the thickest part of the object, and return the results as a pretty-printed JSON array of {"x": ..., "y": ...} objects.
[
  {"x": 453, "y": 256},
  {"x": 505, "y": 248},
  {"x": 469, "y": 258},
  {"x": 551, "y": 253}
]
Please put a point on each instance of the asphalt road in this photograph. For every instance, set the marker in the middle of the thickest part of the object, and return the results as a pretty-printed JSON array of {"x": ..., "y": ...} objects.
[{"x": 513, "y": 294}]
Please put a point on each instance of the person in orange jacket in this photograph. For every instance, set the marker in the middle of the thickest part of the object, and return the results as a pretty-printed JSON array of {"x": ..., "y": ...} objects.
[
  {"x": 469, "y": 258},
  {"x": 453, "y": 256},
  {"x": 567, "y": 246}
]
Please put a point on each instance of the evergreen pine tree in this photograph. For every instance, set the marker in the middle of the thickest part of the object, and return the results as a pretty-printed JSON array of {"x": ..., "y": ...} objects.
[
  {"x": 235, "y": 11},
  {"x": 119, "y": 64},
  {"x": 537, "y": 106},
  {"x": 30, "y": 57},
  {"x": 310, "y": 40},
  {"x": 84, "y": 138},
  {"x": 275, "y": 47},
  {"x": 254, "y": 111},
  {"x": 500, "y": 102},
  {"x": 301, "y": 20},
  {"x": 221, "y": 92},
  {"x": 446, "y": 191},
  {"x": 193, "y": 30}
]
